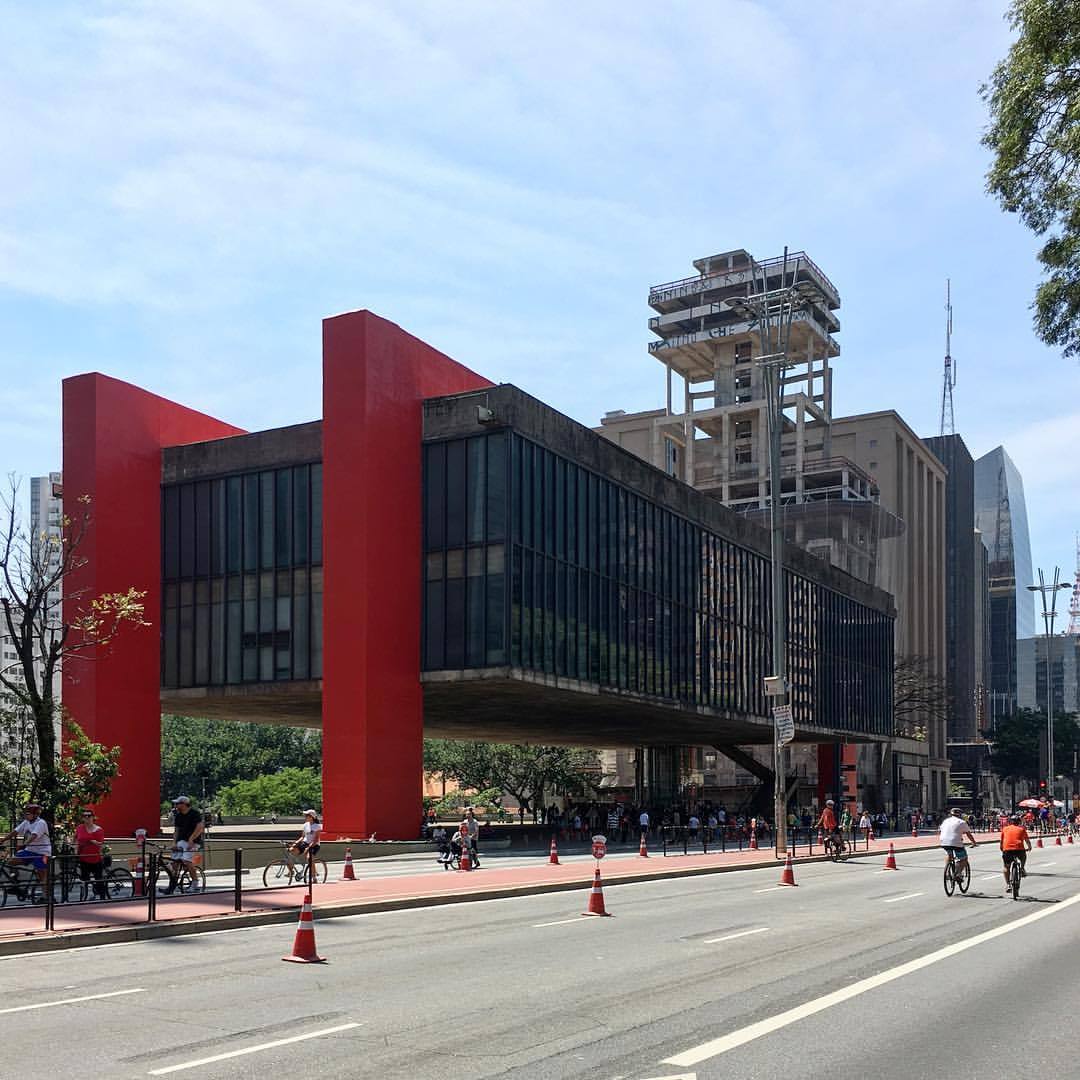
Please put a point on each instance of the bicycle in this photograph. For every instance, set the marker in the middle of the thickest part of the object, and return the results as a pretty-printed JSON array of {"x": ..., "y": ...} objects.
[
  {"x": 1015, "y": 874},
  {"x": 957, "y": 873},
  {"x": 835, "y": 848},
  {"x": 18, "y": 881},
  {"x": 184, "y": 877},
  {"x": 291, "y": 868}
]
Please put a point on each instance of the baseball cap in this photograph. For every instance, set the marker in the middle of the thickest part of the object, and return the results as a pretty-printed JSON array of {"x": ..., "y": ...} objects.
[
  {"x": 32, "y": 806},
  {"x": 180, "y": 799},
  {"x": 955, "y": 810},
  {"x": 313, "y": 813}
]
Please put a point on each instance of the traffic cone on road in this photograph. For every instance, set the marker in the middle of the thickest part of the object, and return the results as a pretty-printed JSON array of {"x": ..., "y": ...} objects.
[
  {"x": 753, "y": 838},
  {"x": 466, "y": 856},
  {"x": 138, "y": 882},
  {"x": 1038, "y": 841},
  {"x": 553, "y": 858},
  {"x": 890, "y": 861},
  {"x": 820, "y": 838},
  {"x": 1057, "y": 840},
  {"x": 643, "y": 851},
  {"x": 788, "y": 876},
  {"x": 348, "y": 874},
  {"x": 1070, "y": 839},
  {"x": 303, "y": 950},
  {"x": 915, "y": 831},
  {"x": 596, "y": 897},
  {"x": 870, "y": 834}
]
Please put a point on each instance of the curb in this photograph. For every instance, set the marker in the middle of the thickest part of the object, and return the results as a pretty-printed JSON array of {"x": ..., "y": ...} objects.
[{"x": 39, "y": 942}]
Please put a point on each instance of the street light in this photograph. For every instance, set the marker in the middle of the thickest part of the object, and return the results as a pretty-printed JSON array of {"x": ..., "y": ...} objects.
[
  {"x": 772, "y": 310},
  {"x": 1049, "y": 592}
]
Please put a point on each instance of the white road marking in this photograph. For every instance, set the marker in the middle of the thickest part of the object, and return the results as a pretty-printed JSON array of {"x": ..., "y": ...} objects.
[
  {"x": 906, "y": 896},
  {"x": 251, "y": 1050},
  {"x": 772, "y": 888},
  {"x": 989, "y": 877},
  {"x": 715, "y": 1047},
  {"x": 1050, "y": 863},
  {"x": 560, "y": 922},
  {"x": 732, "y": 937},
  {"x": 71, "y": 1001}
]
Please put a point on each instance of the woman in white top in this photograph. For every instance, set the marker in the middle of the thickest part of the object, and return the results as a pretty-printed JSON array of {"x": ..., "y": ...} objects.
[{"x": 309, "y": 835}]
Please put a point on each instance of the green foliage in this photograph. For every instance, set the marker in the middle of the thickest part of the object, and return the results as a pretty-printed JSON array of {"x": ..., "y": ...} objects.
[
  {"x": 1014, "y": 753},
  {"x": 456, "y": 801},
  {"x": 220, "y": 752},
  {"x": 521, "y": 770},
  {"x": 84, "y": 776},
  {"x": 1034, "y": 134},
  {"x": 287, "y": 792}
]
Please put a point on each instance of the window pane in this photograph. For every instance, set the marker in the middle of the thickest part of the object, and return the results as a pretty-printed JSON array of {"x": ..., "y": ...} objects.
[
  {"x": 232, "y": 528},
  {"x": 251, "y": 521},
  {"x": 301, "y": 515},
  {"x": 187, "y": 530},
  {"x": 283, "y": 555},
  {"x": 475, "y": 488},
  {"x": 434, "y": 495},
  {"x": 316, "y": 622},
  {"x": 455, "y": 494},
  {"x": 170, "y": 533},
  {"x": 316, "y": 513},
  {"x": 266, "y": 520},
  {"x": 301, "y": 615},
  {"x": 217, "y": 527},
  {"x": 202, "y": 527},
  {"x": 496, "y": 487}
]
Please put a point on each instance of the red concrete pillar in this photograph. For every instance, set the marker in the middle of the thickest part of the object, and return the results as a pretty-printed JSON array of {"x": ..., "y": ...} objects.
[
  {"x": 375, "y": 378},
  {"x": 113, "y": 435}
]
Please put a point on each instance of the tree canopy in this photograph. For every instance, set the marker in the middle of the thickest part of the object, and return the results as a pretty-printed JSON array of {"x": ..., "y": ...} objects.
[
  {"x": 287, "y": 792},
  {"x": 198, "y": 755},
  {"x": 1034, "y": 134},
  {"x": 1014, "y": 752},
  {"x": 521, "y": 770}
]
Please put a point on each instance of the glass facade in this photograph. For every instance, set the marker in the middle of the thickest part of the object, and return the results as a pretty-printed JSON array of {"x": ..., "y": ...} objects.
[
  {"x": 532, "y": 561},
  {"x": 242, "y": 578}
]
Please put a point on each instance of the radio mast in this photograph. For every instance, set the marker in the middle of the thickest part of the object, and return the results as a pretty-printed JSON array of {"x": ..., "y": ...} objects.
[
  {"x": 1074, "y": 602},
  {"x": 948, "y": 425}
]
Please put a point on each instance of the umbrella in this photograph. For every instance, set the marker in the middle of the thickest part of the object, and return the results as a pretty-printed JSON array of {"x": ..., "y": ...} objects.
[{"x": 1030, "y": 804}]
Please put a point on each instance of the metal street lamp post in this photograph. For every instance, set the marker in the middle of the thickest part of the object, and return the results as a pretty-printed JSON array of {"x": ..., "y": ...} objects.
[
  {"x": 1049, "y": 593},
  {"x": 773, "y": 310}
]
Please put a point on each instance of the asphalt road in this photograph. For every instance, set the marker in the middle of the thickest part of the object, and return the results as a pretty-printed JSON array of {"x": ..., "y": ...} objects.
[{"x": 855, "y": 972}]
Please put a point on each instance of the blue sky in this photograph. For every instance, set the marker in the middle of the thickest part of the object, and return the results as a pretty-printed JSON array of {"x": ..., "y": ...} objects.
[{"x": 188, "y": 189}]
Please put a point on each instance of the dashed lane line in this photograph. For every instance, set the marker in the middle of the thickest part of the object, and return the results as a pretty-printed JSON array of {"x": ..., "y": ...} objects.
[
  {"x": 251, "y": 1050},
  {"x": 732, "y": 937},
  {"x": 906, "y": 896},
  {"x": 72, "y": 1001}
]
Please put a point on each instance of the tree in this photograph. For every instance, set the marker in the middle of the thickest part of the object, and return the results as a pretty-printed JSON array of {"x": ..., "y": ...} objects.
[
  {"x": 521, "y": 770},
  {"x": 1015, "y": 747},
  {"x": 1034, "y": 134},
  {"x": 200, "y": 756},
  {"x": 920, "y": 696},
  {"x": 289, "y": 791},
  {"x": 33, "y": 573}
]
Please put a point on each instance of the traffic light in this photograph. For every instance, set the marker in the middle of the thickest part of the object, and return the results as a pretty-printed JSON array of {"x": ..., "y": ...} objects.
[{"x": 1042, "y": 785}]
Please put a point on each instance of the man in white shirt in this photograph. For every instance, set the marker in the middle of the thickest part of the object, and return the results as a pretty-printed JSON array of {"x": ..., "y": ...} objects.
[
  {"x": 643, "y": 822},
  {"x": 953, "y": 830},
  {"x": 37, "y": 847}
]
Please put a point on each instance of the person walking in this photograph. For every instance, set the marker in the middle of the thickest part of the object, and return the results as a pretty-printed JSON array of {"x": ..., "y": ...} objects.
[
  {"x": 472, "y": 827},
  {"x": 89, "y": 842}
]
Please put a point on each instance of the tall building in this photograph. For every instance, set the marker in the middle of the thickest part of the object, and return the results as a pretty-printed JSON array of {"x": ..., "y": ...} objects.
[
  {"x": 912, "y": 484},
  {"x": 1064, "y": 675},
  {"x": 714, "y": 433},
  {"x": 1001, "y": 517}
]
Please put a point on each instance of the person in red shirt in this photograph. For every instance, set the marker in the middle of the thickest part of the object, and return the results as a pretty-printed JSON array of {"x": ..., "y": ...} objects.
[
  {"x": 89, "y": 840},
  {"x": 1015, "y": 844},
  {"x": 827, "y": 824}
]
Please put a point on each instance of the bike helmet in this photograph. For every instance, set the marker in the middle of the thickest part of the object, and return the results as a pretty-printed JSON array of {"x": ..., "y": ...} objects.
[
  {"x": 1014, "y": 819},
  {"x": 829, "y": 802}
]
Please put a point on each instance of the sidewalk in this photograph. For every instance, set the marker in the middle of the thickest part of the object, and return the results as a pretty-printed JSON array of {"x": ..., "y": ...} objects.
[{"x": 21, "y": 929}]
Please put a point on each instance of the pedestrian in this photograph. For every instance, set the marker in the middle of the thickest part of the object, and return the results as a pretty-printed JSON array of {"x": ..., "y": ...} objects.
[
  {"x": 643, "y": 822},
  {"x": 89, "y": 842},
  {"x": 613, "y": 822},
  {"x": 472, "y": 827}
]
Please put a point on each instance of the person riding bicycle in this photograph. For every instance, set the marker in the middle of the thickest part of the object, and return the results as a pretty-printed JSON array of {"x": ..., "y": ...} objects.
[
  {"x": 37, "y": 847},
  {"x": 954, "y": 830},
  {"x": 1015, "y": 844},
  {"x": 828, "y": 826},
  {"x": 309, "y": 835},
  {"x": 188, "y": 829}
]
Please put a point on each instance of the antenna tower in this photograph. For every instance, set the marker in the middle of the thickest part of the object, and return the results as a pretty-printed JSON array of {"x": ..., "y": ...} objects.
[
  {"x": 1074, "y": 602},
  {"x": 948, "y": 425}
]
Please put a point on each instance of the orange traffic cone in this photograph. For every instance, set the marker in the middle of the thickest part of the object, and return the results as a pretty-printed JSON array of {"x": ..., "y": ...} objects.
[
  {"x": 1038, "y": 842},
  {"x": 643, "y": 851},
  {"x": 890, "y": 862},
  {"x": 1057, "y": 840},
  {"x": 820, "y": 838},
  {"x": 596, "y": 897},
  {"x": 870, "y": 834},
  {"x": 753, "y": 838},
  {"x": 348, "y": 874},
  {"x": 553, "y": 858},
  {"x": 466, "y": 856},
  {"x": 1069, "y": 838},
  {"x": 788, "y": 876},
  {"x": 915, "y": 830},
  {"x": 138, "y": 884},
  {"x": 303, "y": 950}
]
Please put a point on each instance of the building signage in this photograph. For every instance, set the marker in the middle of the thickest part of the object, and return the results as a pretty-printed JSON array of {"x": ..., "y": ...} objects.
[{"x": 785, "y": 726}]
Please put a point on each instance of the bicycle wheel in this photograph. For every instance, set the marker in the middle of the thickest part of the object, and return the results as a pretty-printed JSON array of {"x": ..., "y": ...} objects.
[
  {"x": 963, "y": 875},
  {"x": 277, "y": 873},
  {"x": 950, "y": 879},
  {"x": 1014, "y": 879},
  {"x": 119, "y": 884},
  {"x": 191, "y": 880},
  {"x": 320, "y": 872}
]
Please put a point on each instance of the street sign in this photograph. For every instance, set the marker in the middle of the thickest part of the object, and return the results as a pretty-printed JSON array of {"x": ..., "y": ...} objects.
[
  {"x": 785, "y": 726},
  {"x": 599, "y": 847}
]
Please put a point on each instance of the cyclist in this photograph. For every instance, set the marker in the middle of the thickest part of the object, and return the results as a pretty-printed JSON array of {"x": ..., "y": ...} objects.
[
  {"x": 188, "y": 829},
  {"x": 954, "y": 830},
  {"x": 37, "y": 847},
  {"x": 309, "y": 835},
  {"x": 828, "y": 826},
  {"x": 1015, "y": 844}
]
